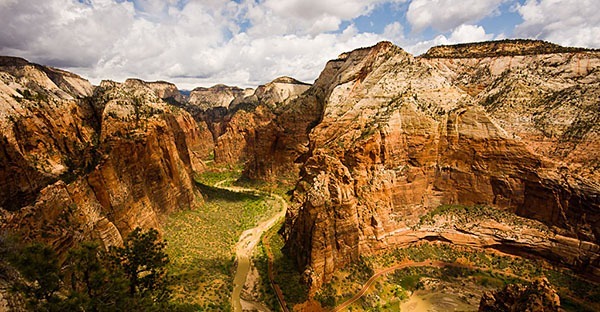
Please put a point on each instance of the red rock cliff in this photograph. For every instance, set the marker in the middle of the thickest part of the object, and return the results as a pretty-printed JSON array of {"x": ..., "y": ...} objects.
[
  {"x": 79, "y": 162},
  {"x": 401, "y": 135}
]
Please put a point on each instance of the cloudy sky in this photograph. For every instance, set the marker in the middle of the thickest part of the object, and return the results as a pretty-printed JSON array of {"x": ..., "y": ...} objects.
[{"x": 250, "y": 42}]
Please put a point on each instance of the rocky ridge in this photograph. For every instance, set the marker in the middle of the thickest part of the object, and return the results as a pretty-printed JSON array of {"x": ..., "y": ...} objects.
[
  {"x": 506, "y": 47},
  {"x": 400, "y": 135},
  {"x": 80, "y": 162}
]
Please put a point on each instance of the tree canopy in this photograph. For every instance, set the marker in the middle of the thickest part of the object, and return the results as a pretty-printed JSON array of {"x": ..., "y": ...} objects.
[{"x": 123, "y": 278}]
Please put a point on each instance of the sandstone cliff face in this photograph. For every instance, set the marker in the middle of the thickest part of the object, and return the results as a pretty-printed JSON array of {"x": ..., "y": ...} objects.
[
  {"x": 252, "y": 134},
  {"x": 245, "y": 127},
  {"x": 45, "y": 129},
  {"x": 79, "y": 162},
  {"x": 401, "y": 135},
  {"x": 216, "y": 96}
]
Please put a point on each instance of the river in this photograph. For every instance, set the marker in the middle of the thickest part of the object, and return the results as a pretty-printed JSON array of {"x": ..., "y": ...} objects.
[{"x": 245, "y": 247}]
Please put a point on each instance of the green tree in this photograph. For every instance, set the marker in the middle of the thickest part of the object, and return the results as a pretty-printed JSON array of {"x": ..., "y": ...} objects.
[
  {"x": 144, "y": 260},
  {"x": 128, "y": 278},
  {"x": 39, "y": 266},
  {"x": 93, "y": 286}
]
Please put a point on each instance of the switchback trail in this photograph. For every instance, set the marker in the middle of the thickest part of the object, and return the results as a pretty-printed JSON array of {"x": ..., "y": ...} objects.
[{"x": 247, "y": 242}]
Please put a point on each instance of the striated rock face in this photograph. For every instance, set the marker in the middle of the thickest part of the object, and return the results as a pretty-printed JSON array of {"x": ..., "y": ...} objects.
[
  {"x": 244, "y": 125},
  {"x": 399, "y": 136},
  {"x": 46, "y": 127},
  {"x": 216, "y": 96},
  {"x": 253, "y": 127},
  {"x": 79, "y": 162},
  {"x": 536, "y": 296}
]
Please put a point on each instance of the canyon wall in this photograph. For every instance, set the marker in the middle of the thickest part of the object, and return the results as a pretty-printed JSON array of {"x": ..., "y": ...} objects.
[
  {"x": 401, "y": 135},
  {"x": 380, "y": 140},
  {"x": 262, "y": 129},
  {"x": 80, "y": 163}
]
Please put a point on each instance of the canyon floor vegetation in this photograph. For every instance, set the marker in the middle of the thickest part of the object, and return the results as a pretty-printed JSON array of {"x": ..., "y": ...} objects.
[{"x": 201, "y": 242}]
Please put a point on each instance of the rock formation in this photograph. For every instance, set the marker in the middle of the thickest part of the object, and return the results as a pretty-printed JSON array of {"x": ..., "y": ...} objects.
[
  {"x": 78, "y": 162},
  {"x": 506, "y": 47},
  {"x": 400, "y": 135},
  {"x": 538, "y": 296},
  {"x": 380, "y": 140},
  {"x": 246, "y": 125},
  {"x": 254, "y": 121},
  {"x": 216, "y": 96}
]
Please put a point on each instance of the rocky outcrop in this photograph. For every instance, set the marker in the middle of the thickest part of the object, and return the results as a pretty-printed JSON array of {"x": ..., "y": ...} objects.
[
  {"x": 216, "y": 96},
  {"x": 167, "y": 92},
  {"x": 244, "y": 126},
  {"x": 399, "y": 136},
  {"x": 279, "y": 91},
  {"x": 79, "y": 162},
  {"x": 506, "y": 47},
  {"x": 536, "y": 296},
  {"x": 486, "y": 227}
]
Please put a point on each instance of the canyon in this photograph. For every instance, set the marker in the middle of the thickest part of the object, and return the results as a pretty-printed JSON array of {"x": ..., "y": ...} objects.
[
  {"x": 401, "y": 135},
  {"x": 508, "y": 129}
]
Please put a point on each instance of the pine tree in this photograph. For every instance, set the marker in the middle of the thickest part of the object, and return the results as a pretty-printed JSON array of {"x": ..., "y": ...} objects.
[
  {"x": 39, "y": 266},
  {"x": 94, "y": 286},
  {"x": 143, "y": 259}
]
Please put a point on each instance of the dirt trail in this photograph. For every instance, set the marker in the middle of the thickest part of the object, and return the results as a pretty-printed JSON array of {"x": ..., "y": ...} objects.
[{"x": 246, "y": 244}]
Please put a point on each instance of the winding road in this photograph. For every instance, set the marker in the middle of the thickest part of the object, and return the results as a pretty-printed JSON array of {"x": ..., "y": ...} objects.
[{"x": 246, "y": 244}]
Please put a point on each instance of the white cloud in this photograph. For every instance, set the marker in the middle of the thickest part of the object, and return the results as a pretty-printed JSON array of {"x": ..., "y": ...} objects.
[
  {"x": 114, "y": 40},
  {"x": 468, "y": 33},
  {"x": 250, "y": 61},
  {"x": 461, "y": 34},
  {"x": 62, "y": 32},
  {"x": 394, "y": 31},
  {"x": 302, "y": 17},
  {"x": 248, "y": 42},
  {"x": 567, "y": 22},
  {"x": 444, "y": 15},
  {"x": 314, "y": 9},
  {"x": 190, "y": 43}
]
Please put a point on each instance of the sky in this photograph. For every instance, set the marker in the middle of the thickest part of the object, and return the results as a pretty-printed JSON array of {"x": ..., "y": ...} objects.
[{"x": 246, "y": 43}]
